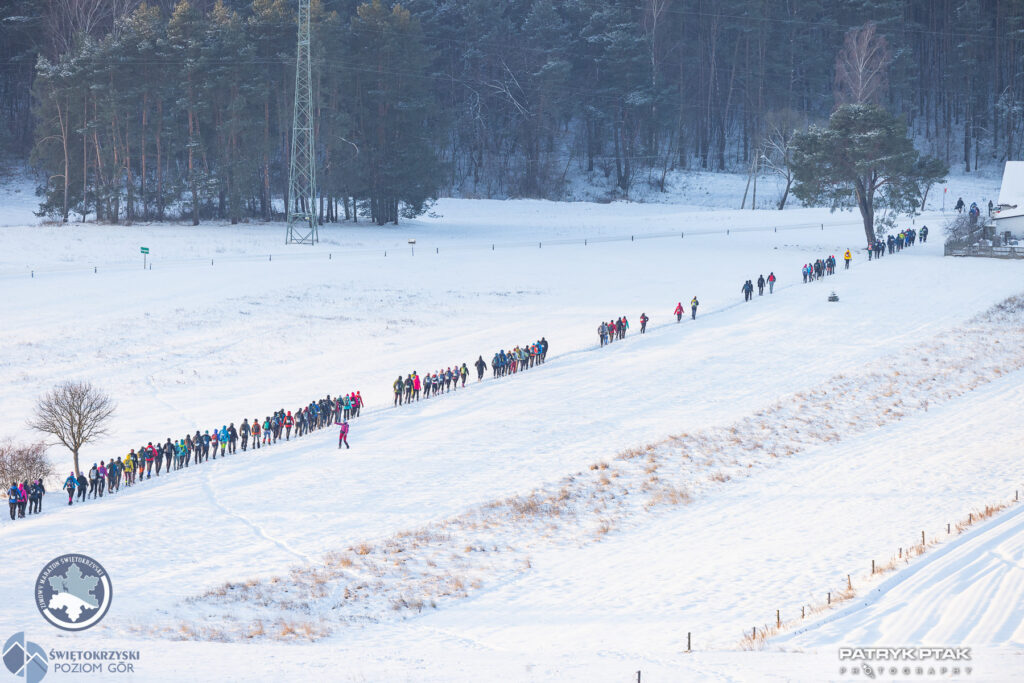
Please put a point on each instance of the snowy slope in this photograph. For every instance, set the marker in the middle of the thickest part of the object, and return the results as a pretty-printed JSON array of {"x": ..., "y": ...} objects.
[
  {"x": 966, "y": 592},
  {"x": 191, "y": 345}
]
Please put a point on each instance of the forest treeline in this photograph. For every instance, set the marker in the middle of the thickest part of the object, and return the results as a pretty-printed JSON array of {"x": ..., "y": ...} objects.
[{"x": 146, "y": 111}]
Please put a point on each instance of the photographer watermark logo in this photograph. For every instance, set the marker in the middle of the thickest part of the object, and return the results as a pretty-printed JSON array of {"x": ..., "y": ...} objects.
[
  {"x": 24, "y": 659},
  {"x": 73, "y": 592}
]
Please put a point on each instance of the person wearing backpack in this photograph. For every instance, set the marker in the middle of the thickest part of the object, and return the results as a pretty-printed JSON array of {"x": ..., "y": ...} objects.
[
  {"x": 35, "y": 501},
  {"x": 70, "y": 484},
  {"x": 94, "y": 478},
  {"x": 343, "y": 434},
  {"x": 12, "y": 498}
]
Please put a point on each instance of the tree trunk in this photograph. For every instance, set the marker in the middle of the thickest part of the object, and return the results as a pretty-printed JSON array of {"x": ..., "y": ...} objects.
[{"x": 865, "y": 202}]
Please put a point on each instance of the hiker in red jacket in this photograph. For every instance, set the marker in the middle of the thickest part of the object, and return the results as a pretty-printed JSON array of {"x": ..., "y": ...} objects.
[
  {"x": 289, "y": 422},
  {"x": 679, "y": 312}
]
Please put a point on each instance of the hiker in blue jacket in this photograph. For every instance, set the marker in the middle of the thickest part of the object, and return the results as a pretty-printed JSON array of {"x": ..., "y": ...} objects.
[
  {"x": 35, "y": 499},
  {"x": 12, "y": 498},
  {"x": 69, "y": 485},
  {"x": 222, "y": 437}
]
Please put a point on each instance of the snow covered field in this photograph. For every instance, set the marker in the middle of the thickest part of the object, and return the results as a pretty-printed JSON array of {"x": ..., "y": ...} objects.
[{"x": 753, "y": 458}]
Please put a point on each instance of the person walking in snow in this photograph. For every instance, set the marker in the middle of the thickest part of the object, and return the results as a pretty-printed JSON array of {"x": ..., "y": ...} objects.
[
  {"x": 243, "y": 431},
  {"x": 94, "y": 479},
  {"x": 847, "y": 257},
  {"x": 36, "y": 497},
  {"x": 256, "y": 433},
  {"x": 693, "y": 308},
  {"x": 760, "y": 285},
  {"x": 924, "y": 234},
  {"x": 343, "y": 434},
  {"x": 83, "y": 486},
  {"x": 771, "y": 283},
  {"x": 679, "y": 311},
  {"x": 70, "y": 484},
  {"x": 643, "y": 322},
  {"x": 12, "y": 498},
  {"x": 22, "y": 499},
  {"x": 399, "y": 388},
  {"x": 748, "y": 290}
]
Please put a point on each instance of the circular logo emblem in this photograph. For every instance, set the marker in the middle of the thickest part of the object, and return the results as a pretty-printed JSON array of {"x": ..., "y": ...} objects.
[{"x": 73, "y": 592}]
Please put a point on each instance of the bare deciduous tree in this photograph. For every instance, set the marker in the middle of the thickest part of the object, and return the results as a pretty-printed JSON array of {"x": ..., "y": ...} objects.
[
  {"x": 68, "y": 20},
  {"x": 75, "y": 413},
  {"x": 862, "y": 67},
  {"x": 776, "y": 146},
  {"x": 24, "y": 462}
]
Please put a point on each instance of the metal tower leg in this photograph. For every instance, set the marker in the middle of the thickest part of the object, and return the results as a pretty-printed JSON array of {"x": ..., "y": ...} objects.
[{"x": 301, "y": 209}]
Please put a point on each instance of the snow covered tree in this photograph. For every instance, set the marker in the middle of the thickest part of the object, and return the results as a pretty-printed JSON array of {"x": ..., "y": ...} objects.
[{"x": 864, "y": 159}]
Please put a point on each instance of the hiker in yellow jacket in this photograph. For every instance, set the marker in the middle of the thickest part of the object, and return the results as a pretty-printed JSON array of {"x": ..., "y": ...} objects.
[{"x": 847, "y": 257}]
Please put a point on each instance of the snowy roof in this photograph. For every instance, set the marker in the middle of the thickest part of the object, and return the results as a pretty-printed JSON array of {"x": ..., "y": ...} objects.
[{"x": 1012, "y": 190}]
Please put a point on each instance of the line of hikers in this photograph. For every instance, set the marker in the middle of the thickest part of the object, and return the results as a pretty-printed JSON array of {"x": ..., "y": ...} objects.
[
  {"x": 748, "y": 287},
  {"x": 23, "y": 495},
  {"x": 519, "y": 358},
  {"x": 823, "y": 267},
  {"x": 443, "y": 380},
  {"x": 408, "y": 389},
  {"x": 616, "y": 329},
  {"x": 108, "y": 476},
  {"x": 895, "y": 243}
]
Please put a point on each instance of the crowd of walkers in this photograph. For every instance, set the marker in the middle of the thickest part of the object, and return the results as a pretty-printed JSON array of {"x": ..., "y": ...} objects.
[
  {"x": 616, "y": 329},
  {"x": 26, "y": 496},
  {"x": 409, "y": 388},
  {"x": 823, "y": 267},
  {"x": 108, "y": 476},
  {"x": 896, "y": 243},
  {"x": 414, "y": 386},
  {"x": 519, "y": 358}
]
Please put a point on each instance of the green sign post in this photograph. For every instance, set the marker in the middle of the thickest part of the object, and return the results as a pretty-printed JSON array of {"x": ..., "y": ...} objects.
[{"x": 144, "y": 250}]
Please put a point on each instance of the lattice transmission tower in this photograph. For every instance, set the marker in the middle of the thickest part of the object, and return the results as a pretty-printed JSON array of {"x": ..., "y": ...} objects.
[{"x": 301, "y": 211}]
